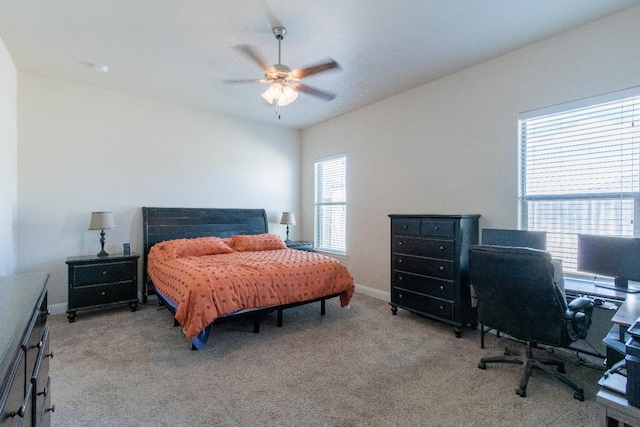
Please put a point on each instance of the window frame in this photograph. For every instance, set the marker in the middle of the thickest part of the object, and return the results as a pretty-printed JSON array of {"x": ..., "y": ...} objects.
[
  {"x": 631, "y": 197},
  {"x": 318, "y": 230}
]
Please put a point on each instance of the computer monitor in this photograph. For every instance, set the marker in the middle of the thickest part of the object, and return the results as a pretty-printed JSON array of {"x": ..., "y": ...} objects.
[
  {"x": 617, "y": 257},
  {"x": 518, "y": 238}
]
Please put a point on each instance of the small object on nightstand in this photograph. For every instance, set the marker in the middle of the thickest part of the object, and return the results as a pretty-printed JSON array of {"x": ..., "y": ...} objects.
[
  {"x": 126, "y": 248},
  {"x": 302, "y": 246},
  {"x": 98, "y": 281},
  {"x": 288, "y": 218},
  {"x": 102, "y": 221}
]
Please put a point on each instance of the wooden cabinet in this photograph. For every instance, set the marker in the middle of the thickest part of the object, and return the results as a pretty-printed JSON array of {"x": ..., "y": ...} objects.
[
  {"x": 25, "y": 391},
  {"x": 102, "y": 281},
  {"x": 429, "y": 266}
]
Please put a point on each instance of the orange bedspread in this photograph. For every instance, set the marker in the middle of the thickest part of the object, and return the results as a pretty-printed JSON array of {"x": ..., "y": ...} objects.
[{"x": 210, "y": 286}]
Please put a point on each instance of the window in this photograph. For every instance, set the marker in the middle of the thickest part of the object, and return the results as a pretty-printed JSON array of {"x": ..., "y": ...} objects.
[
  {"x": 331, "y": 205},
  {"x": 580, "y": 171}
]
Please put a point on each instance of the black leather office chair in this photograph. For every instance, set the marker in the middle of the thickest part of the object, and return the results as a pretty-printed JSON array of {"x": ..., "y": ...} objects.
[{"x": 516, "y": 295}]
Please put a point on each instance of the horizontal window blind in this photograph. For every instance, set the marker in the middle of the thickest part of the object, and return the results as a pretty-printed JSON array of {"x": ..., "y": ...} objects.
[
  {"x": 331, "y": 205},
  {"x": 580, "y": 173}
]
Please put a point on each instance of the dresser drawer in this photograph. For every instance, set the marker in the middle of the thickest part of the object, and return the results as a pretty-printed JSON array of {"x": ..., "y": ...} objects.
[
  {"x": 40, "y": 379},
  {"x": 91, "y": 274},
  {"x": 438, "y": 228},
  {"x": 423, "y": 303},
  {"x": 443, "y": 289},
  {"x": 442, "y": 269},
  {"x": 410, "y": 227},
  {"x": 15, "y": 395},
  {"x": 443, "y": 249}
]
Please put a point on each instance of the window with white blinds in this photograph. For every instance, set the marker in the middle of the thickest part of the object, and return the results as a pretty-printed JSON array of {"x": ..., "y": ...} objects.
[
  {"x": 580, "y": 171},
  {"x": 331, "y": 205}
]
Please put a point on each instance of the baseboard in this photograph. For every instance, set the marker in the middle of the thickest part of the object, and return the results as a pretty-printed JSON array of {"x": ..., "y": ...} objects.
[
  {"x": 59, "y": 308},
  {"x": 374, "y": 293}
]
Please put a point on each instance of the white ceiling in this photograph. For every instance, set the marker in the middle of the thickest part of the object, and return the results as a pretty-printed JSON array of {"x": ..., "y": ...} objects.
[{"x": 182, "y": 50}]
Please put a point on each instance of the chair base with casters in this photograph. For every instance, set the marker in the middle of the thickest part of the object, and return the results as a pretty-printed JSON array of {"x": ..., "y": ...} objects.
[{"x": 528, "y": 362}]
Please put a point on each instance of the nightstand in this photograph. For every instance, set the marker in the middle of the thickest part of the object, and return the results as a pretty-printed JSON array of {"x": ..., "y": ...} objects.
[
  {"x": 102, "y": 281},
  {"x": 302, "y": 246}
]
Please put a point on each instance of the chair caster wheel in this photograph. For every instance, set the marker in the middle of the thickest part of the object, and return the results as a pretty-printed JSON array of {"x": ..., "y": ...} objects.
[
  {"x": 578, "y": 396},
  {"x": 482, "y": 365},
  {"x": 522, "y": 393}
]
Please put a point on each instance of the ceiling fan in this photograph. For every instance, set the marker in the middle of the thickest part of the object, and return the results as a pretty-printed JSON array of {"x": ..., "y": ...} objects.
[{"x": 285, "y": 82}]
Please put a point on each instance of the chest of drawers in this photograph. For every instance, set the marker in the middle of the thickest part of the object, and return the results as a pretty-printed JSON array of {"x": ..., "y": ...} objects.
[
  {"x": 429, "y": 266},
  {"x": 25, "y": 390},
  {"x": 102, "y": 281}
]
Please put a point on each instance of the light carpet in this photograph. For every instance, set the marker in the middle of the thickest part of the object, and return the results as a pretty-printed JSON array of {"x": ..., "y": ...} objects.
[{"x": 353, "y": 367}]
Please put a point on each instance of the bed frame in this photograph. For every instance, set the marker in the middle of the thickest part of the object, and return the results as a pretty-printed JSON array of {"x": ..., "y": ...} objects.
[{"x": 160, "y": 224}]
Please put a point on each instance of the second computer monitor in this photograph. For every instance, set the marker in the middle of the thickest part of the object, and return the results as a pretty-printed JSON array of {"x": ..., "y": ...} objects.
[{"x": 517, "y": 238}]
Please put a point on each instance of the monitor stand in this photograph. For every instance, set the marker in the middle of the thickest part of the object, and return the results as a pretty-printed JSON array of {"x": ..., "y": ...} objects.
[{"x": 620, "y": 284}]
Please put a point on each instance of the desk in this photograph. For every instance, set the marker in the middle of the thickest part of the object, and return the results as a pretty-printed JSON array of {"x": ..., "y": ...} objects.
[
  {"x": 617, "y": 410},
  {"x": 579, "y": 287}
]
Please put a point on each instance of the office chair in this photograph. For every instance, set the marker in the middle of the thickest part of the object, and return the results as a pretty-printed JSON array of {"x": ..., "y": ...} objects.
[{"x": 516, "y": 295}]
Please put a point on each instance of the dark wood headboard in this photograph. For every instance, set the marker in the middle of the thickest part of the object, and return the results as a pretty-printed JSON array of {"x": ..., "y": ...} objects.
[{"x": 160, "y": 224}]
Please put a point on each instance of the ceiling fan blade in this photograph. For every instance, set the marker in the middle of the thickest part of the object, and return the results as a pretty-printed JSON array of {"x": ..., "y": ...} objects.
[
  {"x": 327, "y": 96},
  {"x": 251, "y": 54},
  {"x": 234, "y": 81},
  {"x": 301, "y": 73}
]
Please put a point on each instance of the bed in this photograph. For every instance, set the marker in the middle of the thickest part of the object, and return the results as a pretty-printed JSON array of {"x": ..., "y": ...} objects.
[{"x": 209, "y": 265}]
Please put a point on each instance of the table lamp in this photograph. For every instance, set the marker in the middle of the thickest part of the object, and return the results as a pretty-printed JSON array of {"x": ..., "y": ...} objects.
[
  {"x": 288, "y": 218},
  {"x": 102, "y": 221}
]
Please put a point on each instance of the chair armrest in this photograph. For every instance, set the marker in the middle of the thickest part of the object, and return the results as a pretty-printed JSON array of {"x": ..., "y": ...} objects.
[
  {"x": 578, "y": 317},
  {"x": 580, "y": 304}
]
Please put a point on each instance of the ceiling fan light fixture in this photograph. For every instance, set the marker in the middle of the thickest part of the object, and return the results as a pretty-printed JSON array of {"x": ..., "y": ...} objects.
[{"x": 287, "y": 96}]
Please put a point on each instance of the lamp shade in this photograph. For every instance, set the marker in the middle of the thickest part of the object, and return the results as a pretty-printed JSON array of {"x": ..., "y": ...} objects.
[
  {"x": 288, "y": 218},
  {"x": 101, "y": 221}
]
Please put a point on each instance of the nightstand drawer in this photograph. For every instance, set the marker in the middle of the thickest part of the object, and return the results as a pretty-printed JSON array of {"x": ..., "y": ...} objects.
[
  {"x": 91, "y": 274},
  {"x": 409, "y": 227},
  {"x": 105, "y": 294}
]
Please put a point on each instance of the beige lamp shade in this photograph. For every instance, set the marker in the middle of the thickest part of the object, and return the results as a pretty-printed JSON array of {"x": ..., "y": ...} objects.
[
  {"x": 288, "y": 218},
  {"x": 101, "y": 221}
]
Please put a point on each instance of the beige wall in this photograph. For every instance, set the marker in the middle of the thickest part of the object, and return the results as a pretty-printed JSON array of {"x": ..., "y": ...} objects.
[
  {"x": 84, "y": 149},
  {"x": 451, "y": 146},
  {"x": 8, "y": 167}
]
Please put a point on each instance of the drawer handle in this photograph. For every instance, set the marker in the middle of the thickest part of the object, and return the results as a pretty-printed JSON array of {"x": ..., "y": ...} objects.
[
  {"x": 20, "y": 412},
  {"x": 405, "y": 226},
  {"x": 436, "y": 228},
  {"x": 399, "y": 295},
  {"x": 441, "y": 308},
  {"x": 400, "y": 261},
  {"x": 103, "y": 293},
  {"x": 399, "y": 278},
  {"x": 442, "y": 268},
  {"x": 442, "y": 248},
  {"x": 441, "y": 288},
  {"x": 104, "y": 272},
  {"x": 400, "y": 243}
]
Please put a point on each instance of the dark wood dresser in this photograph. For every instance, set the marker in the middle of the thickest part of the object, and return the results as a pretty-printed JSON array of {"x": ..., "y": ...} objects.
[
  {"x": 429, "y": 266},
  {"x": 102, "y": 281},
  {"x": 25, "y": 391}
]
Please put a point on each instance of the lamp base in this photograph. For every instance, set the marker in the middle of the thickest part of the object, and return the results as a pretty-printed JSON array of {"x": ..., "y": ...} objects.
[{"x": 102, "y": 253}]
